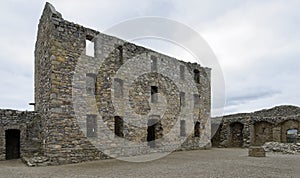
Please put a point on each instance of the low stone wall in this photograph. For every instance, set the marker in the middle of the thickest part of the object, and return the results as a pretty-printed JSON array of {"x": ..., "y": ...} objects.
[
  {"x": 28, "y": 123},
  {"x": 254, "y": 129},
  {"x": 257, "y": 151}
]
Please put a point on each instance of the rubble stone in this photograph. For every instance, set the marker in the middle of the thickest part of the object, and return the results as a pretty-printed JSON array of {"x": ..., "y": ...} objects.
[
  {"x": 286, "y": 148},
  {"x": 256, "y": 151}
]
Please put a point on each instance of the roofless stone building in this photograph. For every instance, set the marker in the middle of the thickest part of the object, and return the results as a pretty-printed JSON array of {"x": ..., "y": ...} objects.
[
  {"x": 278, "y": 124},
  {"x": 116, "y": 100}
]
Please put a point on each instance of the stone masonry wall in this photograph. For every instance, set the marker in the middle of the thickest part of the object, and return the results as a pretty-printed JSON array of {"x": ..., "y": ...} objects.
[
  {"x": 259, "y": 127},
  {"x": 59, "y": 44},
  {"x": 72, "y": 126},
  {"x": 29, "y": 125}
]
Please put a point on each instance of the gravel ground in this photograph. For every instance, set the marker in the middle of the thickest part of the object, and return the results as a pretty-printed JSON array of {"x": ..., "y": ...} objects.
[{"x": 200, "y": 163}]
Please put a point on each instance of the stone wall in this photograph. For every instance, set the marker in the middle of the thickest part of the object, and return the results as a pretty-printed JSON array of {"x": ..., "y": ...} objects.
[
  {"x": 258, "y": 127},
  {"x": 59, "y": 44},
  {"x": 29, "y": 127},
  {"x": 72, "y": 126}
]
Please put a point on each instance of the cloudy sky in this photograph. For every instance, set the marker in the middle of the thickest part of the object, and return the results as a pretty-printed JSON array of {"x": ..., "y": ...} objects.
[{"x": 256, "y": 42}]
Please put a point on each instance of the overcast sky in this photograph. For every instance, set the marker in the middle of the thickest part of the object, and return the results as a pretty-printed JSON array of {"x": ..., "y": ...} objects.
[{"x": 256, "y": 42}]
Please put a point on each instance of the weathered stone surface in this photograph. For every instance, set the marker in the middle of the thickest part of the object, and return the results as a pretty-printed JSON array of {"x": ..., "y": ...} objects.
[
  {"x": 256, "y": 151},
  {"x": 36, "y": 161},
  {"x": 29, "y": 125},
  {"x": 286, "y": 148},
  {"x": 69, "y": 134},
  {"x": 245, "y": 129}
]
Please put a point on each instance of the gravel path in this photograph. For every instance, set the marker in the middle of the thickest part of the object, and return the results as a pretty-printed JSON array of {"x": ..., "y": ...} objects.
[{"x": 200, "y": 163}]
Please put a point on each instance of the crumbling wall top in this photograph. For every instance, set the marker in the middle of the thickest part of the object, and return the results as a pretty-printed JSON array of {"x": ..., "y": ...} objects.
[{"x": 52, "y": 10}]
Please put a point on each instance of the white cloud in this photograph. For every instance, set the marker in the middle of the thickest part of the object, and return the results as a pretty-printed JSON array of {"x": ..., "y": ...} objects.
[
  {"x": 257, "y": 43},
  {"x": 254, "y": 49}
]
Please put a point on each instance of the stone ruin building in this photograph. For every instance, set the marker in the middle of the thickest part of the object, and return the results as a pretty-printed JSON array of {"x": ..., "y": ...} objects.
[
  {"x": 278, "y": 124},
  {"x": 64, "y": 132},
  {"x": 66, "y": 129}
]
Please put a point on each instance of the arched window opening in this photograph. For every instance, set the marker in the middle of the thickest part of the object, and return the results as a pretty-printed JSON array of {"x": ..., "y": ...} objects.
[{"x": 292, "y": 135}]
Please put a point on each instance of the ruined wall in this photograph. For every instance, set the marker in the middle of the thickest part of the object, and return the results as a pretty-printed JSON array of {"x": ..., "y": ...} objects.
[
  {"x": 259, "y": 127},
  {"x": 71, "y": 124},
  {"x": 263, "y": 132},
  {"x": 291, "y": 123},
  {"x": 28, "y": 123},
  {"x": 235, "y": 132},
  {"x": 216, "y": 126},
  {"x": 59, "y": 44}
]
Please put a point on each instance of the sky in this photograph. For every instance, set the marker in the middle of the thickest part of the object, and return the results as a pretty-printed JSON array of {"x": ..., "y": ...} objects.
[{"x": 256, "y": 43}]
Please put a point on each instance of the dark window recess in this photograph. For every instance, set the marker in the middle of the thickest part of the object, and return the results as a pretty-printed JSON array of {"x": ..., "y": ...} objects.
[
  {"x": 118, "y": 88},
  {"x": 182, "y": 99},
  {"x": 153, "y": 63},
  {"x": 154, "y": 92},
  {"x": 119, "y": 56},
  {"x": 119, "y": 125},
  {"x": 181, "y": 72},
  {"x": 182, "y": 128},
  {"x": 197, "y": 129},
  {"x": 91, "y": 84},
  {"x": 91, "y": 126},
  {"x": 196, "y": 101},
  {"x": 197, "y": 76}
]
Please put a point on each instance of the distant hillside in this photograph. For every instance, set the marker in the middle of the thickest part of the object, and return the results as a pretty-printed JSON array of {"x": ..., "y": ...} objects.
[{"x": 283, "y": 110}]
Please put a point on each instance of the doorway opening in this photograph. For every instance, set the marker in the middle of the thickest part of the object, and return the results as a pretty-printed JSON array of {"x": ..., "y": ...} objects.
[
  {"x": 236, "y": 130},
  {"x": 154, "y": 131},
  {"x": 12, "y": 140}
]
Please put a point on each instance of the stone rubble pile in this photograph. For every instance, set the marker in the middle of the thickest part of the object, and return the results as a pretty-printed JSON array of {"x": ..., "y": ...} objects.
[
  {"x": 36, "y": 161},
  {"x": 286, "y": 148}
]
